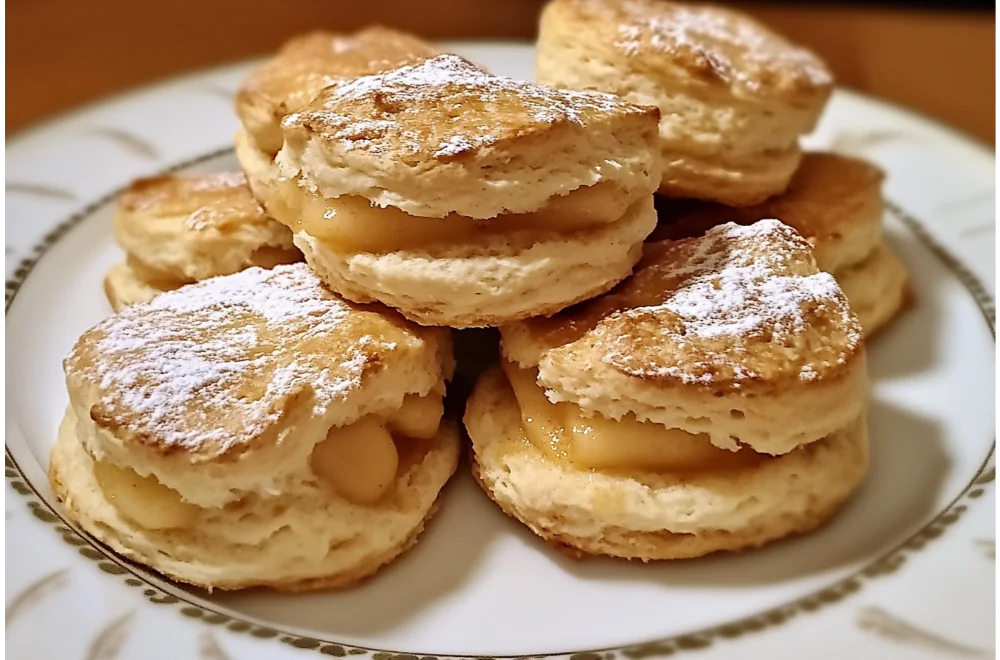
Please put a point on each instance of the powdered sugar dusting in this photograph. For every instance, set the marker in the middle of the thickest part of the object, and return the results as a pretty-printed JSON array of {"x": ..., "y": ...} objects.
[
  {"x": 285, "y": 297},
  {"x": 211, "y": 363},
  {"x": 737, "y": 288},
  {"x": 459, "y": 143},
  {"x": 733, "y": 46},
  {"x": 218, "y": 181},
  {"x": 630, "y": 39},
  {"x": 444, "y": 106}
]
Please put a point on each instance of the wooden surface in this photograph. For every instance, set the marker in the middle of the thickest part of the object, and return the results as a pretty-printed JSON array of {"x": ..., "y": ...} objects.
[{"x": 62, "y": 53}]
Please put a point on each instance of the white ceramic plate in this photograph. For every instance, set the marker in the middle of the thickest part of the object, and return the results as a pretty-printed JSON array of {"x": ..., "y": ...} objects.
[{"x": 906, "y": 571}]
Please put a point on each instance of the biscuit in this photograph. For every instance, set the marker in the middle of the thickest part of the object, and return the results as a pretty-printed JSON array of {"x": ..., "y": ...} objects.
[
  {"x": 834, "y": 201},
  {"x": 652, "y": 516},
  {"x": 734, "y": 97},
  {"x": 307, "y": 64},
  {"x": 190, "y": 228},
  {"x": 265, "y": 431},
  {"x": 713, "y": 401},
  {"x": 877, "y": 287},
  {"x": 409, "y": 186}
]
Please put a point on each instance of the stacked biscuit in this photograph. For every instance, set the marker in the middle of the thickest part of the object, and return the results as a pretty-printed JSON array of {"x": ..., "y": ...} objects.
[
  {"x": 255, "y": 429},
  {"x": 713, "y": 401},
  {"x": 466, "y": 199},
  {"x": 734, "y": 97},
  {"x": 284, "y": 425}
]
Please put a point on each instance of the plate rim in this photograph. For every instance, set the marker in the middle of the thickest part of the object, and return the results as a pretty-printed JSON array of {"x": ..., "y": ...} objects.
[{"x": 136, "y": 577}]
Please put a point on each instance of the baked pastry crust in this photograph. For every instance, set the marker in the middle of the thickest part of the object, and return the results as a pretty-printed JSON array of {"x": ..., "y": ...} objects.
[
  {"x": 124, "y": 287},
  {"x": 878, "y": 288},
  {"x": 189, "y": 228},
  {"x": 734, "y": 338},
  {"x": 239, "y": 371},
  {"x": 498, "y": 280},
  {"x": 710, "y": 44},
  {"x": 443, "y": 144},
  {"x": 360, "y": 539},
  {"x": 835, "y": 202},
  {"x": 310, "y": 62}
]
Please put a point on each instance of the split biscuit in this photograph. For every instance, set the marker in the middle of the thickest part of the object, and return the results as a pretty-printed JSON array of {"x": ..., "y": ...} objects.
[
  {"x": 734, "y": 97},
  {"x": 835, "y": 202},
  {"x": 461, "y": 198},
  {"x": 256, "y": 429},
  {"x": 714, "y": 400},
  {"x": 181, "y": 229}
]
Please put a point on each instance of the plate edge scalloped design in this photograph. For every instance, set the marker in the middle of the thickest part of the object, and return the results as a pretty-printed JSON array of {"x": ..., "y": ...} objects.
[{"x": 889, "y": 562}]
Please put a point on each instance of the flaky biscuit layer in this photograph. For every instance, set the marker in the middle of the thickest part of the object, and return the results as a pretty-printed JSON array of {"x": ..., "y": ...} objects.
[
  {"x": 124, "y": 287},
  {"x": 878, "y": 288},
  {"x": 308, "y": 63},
  {"x": 834, "y": 201}
]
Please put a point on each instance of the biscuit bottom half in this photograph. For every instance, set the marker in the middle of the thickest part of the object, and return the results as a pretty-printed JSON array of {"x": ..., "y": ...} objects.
[
  {"x": 303, "y": 538},
  {"x": 877, "y": 288},
  {"x": 657, "y": 515}
]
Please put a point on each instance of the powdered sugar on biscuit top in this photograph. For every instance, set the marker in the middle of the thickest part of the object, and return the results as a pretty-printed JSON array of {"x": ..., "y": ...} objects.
[
  {"x": 741, "y": 291},
  {"x": 737, "y": 290},
  {"x": 212, "y": 363},
  {"x": 444, "y": 106},
  {"x": 732, "y": 46}
]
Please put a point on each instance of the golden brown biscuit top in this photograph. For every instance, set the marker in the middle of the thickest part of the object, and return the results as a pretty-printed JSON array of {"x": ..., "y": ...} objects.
[
  {"x": 741, "y": 306},
  {"x": 829, "y": 196},
  {"x": 446, "y": 107},
  {"x": 711, "y": 42},
  {"x": 210, "y": 201},
  {"x": 308, "y": 63},
  {"x": 223, "y": 366}
]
